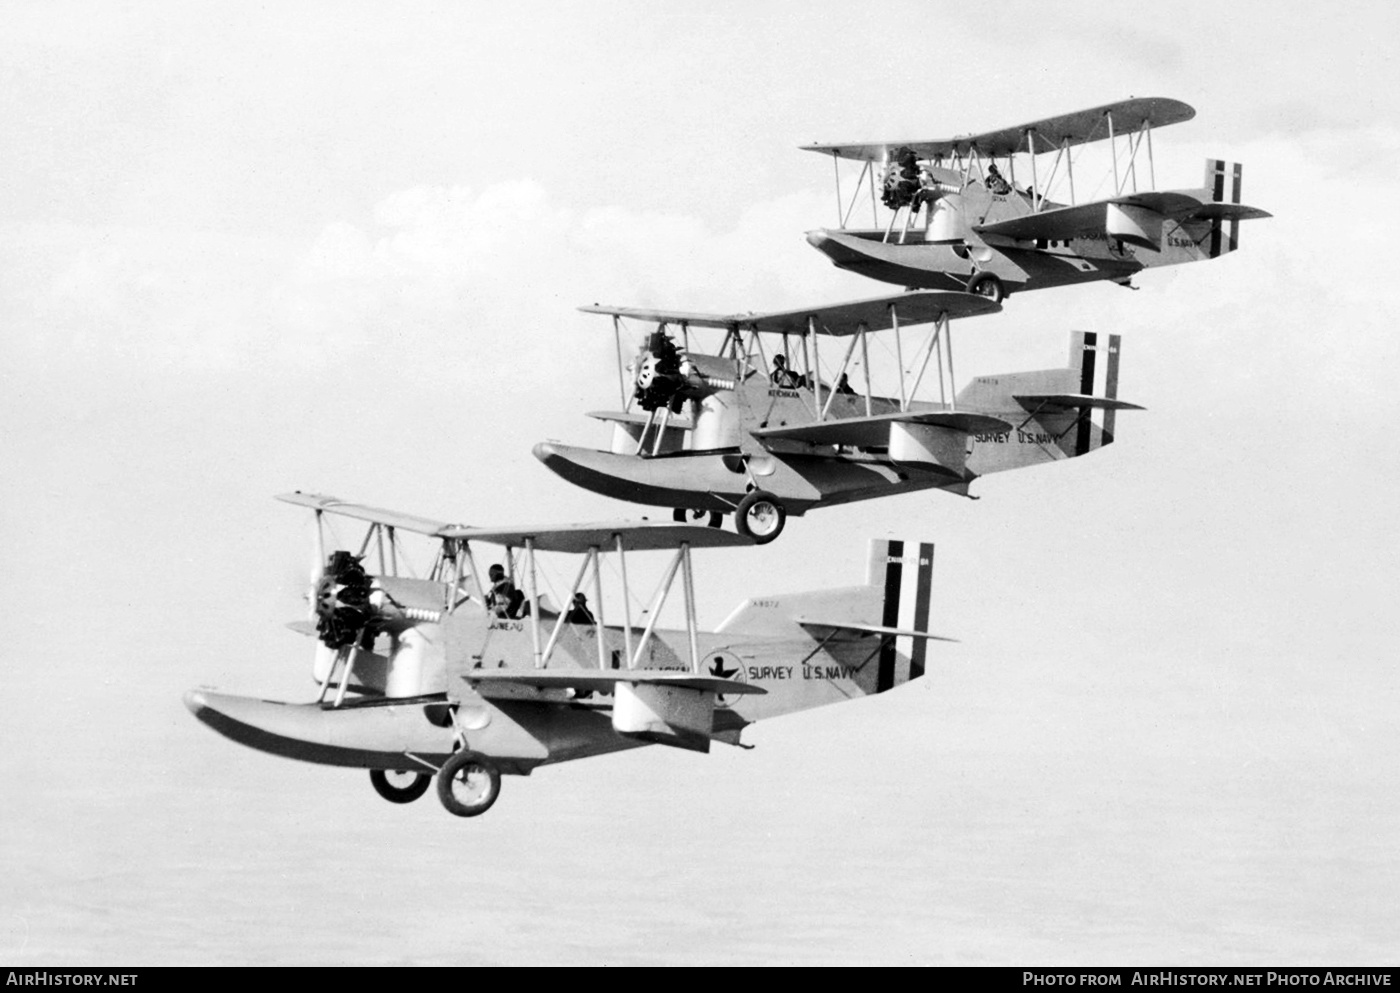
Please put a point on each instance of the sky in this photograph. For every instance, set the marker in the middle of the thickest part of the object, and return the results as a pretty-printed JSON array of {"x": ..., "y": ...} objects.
[{"x": 340, "y": 248}]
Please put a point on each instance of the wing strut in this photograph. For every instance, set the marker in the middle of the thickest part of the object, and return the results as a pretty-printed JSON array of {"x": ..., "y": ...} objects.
[
  {"x": 533, "y": 592},
  {"x": 568, "y": 604},
  {"x": 598, "y": 607},
  {"x": 899, "y": 357},
  {"x": 688, "y": 581},
  {"x": 621, "y": 380},
  {"x": 865, "y": 360},
  {"x": 940, "y": 342},
  {"x": 845, "y": 364},
  {"x": 626, "y": 600},
  {"x": 658, "y": 602}
]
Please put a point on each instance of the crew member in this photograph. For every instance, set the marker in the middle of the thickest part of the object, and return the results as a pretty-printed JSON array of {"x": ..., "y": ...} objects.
[
  {"x": 928, "y": 192},
  {"x": 782, "y": 376},
  {"x": 504, "y": 599},
  {"x": 996, "y": 183},
  {"x": 578, "y": 611}
]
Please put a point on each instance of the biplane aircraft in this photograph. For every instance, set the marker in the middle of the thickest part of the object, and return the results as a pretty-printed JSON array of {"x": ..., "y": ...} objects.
[
  {"x": 451, "y": 677},
  {"x": 956, "y": 222},
  {"x": 718, "y": 433}
]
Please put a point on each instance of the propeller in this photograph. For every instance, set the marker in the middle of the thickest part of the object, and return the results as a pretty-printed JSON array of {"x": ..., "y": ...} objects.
[
  {"x": 340, "y": 601},
  {"x": 659, "y": 380}
]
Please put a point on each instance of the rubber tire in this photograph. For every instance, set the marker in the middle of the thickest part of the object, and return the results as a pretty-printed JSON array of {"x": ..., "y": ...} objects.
[
  {"x": 983, "y": 281},
  {"x": 741, "y": 516},
  {"x": 447, "y": 775},
  {"x": 684, "y": 515},
  {"x": 399, "y": 794}
]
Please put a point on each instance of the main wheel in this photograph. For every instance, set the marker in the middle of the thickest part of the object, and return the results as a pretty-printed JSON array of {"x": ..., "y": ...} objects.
[
  {"x": 985, "y": 284},
  {"x": 683, "y": 515},
  {"x": 760, "y": 516},
  {"x": 467, "y": 784},
  {"x": 397, "y": 786}
]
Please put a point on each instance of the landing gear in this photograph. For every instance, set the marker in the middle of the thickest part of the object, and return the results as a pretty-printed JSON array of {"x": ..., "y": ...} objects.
[
  {"x": 683, "y": 515},
  {"x": 399, "y": 787},
  {"x": 467, "y": 785},
  {"x": 984, "y": 284},
  {"x": 760, "y": 516}
]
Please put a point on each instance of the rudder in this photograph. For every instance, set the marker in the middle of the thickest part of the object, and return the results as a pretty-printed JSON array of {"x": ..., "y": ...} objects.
[
  {"x": 905, "y": 603},
  {"x": 1095, "y": 357},
  {"x": 1223, "y": 182}
]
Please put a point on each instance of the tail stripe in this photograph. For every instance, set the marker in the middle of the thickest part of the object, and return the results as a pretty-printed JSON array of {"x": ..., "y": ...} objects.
[
  {"x": 1086, "y": 387},
  {"x": 1217, "y": 193},
  {"x": 1110, "y": 387},
  {"x": 922, "y": 594},
  {"x": 894, "y": 574},
  {"x": 1234, "y": 242}
]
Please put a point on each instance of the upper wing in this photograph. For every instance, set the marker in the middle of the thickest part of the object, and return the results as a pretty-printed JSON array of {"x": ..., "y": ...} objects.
[
  {"x": 633, "y": 535},
  {"x": 694, "y": 319},
  {"x": 1075, "y": 128},
  {"x": 874, "y": 431},
  {"x": 389, "y": 518},
  {"x": 840, "y": 319}
]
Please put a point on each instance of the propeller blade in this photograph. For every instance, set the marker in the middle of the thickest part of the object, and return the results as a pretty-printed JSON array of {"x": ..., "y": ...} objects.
[{"x": 318, "y": 564}]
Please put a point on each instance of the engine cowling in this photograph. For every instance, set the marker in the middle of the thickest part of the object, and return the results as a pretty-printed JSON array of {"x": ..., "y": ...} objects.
[
  {"x": 667, "y": 376},
  {"x": 659, "y": 382},
  {"x": 342, "y": 600}
]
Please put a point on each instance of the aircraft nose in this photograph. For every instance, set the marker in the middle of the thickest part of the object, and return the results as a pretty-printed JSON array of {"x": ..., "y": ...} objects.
[
  {"x": 196, "y": 701},
  {"x": 817, "y": 238},
  {"x": 545, "y": 451}
]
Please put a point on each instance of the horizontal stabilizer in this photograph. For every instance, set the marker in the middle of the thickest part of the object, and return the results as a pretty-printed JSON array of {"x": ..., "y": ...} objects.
[
  {"x": 808, "y": 622},
  {"x": 1230, "y": 212},
  {"x": 603, "y": 679},
  {"x": 839, "y": 319},
  {"x": 874, "y": 432},
  {"x": 1072, "y": 401}
]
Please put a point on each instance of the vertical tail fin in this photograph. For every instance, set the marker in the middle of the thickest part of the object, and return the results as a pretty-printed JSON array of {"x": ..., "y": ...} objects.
[
  {"x": 1223, "y": 182},
  {"x": 1095, "y": 357},
  {"x": 906, "y": 596}
]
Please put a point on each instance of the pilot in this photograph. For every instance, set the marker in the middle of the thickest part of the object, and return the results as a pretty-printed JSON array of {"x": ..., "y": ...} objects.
[
  {"x": 843, "y": 385},
  {"x": 782, "y": 376},
  {"x": 927, "y": 192},
  {"x": 996, "y": 182},
  {"x": 578, "y": 612},
  {"x": 504, "y": 598}
]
